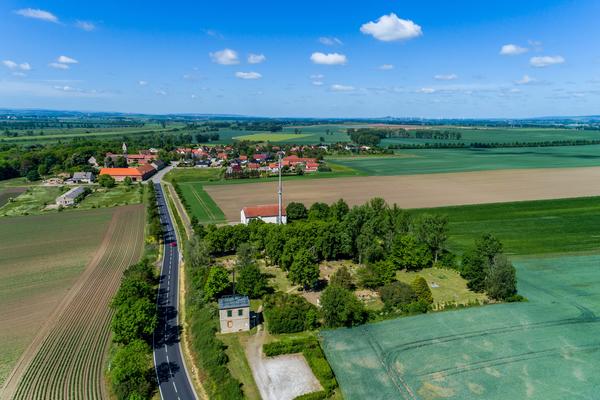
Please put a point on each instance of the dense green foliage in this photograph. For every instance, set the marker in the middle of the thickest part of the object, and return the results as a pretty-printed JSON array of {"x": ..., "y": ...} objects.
[
  {"x": 342, "y": 278},
  {"x": 155, "y": 228},
  {"x": 397, "y": 295},
  {"x": 340, "y": 307},
  {"x": 250, "y": 280},
  {"x": 488, "y": 270},
  {"x": 133, "y": 324},
  {"x": 422, "y": 290},
  {"x": 286, "y": 313}
]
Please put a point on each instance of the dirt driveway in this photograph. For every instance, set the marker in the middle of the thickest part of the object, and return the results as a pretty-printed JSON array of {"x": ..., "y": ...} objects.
[
  {"x": 279, "y": 378},
  {"x": 417, "y": 191}
]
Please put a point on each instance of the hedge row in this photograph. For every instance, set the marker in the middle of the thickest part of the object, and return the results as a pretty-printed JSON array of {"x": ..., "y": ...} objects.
[{"x": 315, "y": 358}]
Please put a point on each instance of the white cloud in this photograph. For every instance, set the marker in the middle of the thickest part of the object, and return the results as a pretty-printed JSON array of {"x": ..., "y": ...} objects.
[
  {"x": 66, "y": 60},
  {"x": 445, "y": 77},
  {"x": 248, "y": 75},
  {"x": 256, "y": 58},
  {"x": 328, "y": 59},
  {"x": 161, "y": 92},
  {"x": 512, "y": 50},
  {"x": 58, "y": 65},
  {"x": 390, "y": 28},
  {"x": 341, "y": 88},
  {"x": 317, "y": 76},
  {"x": 37, "y": 14},
  {"x": 515, "y": 90},
  {"x": 525, "y": 80},
  {"x": 214, "y": 33},
  {"x": 225, "y": 57},
  {"x": 544, "y": 61},
  {"x": 10, "y": 64},
  {"x": 330, "y": 41},
  {"x": 536, "y": 44},
  {"x": 386, "y": 67},
  {"x": 318, "y": 83},
  {"x": 426, "y": 90},
  {"x": 19, "y": 74},
  {"x": 143, "y": 83},
  {"x": 85, "y": 25}
]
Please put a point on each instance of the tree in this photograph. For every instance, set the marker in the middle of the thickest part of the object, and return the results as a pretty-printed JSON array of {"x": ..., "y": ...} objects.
[
  {"x": 121, "y": 162},
  {"x": 304, "y": 270},
  {"x": 134, "y": 319},
  {"x": 318, "y": 212},
  {"x": 408, "y": 254},
  {"x": 33, "y": 175},
  {"x": 130, "y": 374},
  {"x": 501, "y": 279},
  {"x": 106, "y": 181},
  {"x": 476, "y": 261},
  {"x": 397, "y": 295},
  {"x": 342, "y": 278},
  {"x": 376, "y": 274},
  {"x": 216, "y": 282},
  {"x": 433, "y": 231},
  {"x": 288, "y": 313},
  {"x": 340, "y": 307},
  {"x": 296, "y": 211},
  {"x": 250, "y": 281},
  {"x": 127, "y": 181},
  {"x": 422, "y": 290},
  {"x": 339, "y": 209}
]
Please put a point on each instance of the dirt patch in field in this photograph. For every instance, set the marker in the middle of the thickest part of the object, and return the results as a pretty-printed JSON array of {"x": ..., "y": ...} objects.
[
  {"x": 279, "y": 378},
  {"x": 418, "y": 191}
]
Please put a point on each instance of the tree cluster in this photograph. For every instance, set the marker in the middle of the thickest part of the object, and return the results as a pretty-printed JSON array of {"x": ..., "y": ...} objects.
[{"x": 134, "y": 321}]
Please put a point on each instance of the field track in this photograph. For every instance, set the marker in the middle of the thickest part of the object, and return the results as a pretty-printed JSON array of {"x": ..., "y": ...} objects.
[
  {"x": 66, "y": 359},
  {"x": 417, "y": 191}
]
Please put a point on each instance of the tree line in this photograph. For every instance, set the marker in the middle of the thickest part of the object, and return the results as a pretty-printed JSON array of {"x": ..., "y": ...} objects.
[{"x": 494, "y": 145}]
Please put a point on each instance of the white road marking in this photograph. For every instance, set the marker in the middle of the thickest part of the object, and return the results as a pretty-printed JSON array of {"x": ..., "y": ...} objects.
[{"x": 174, "y": 387}]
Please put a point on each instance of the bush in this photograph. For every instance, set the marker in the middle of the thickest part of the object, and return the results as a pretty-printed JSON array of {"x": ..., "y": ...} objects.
[
  {"x": 397, "y": 295},
  {"x": 422, "y": 290},
  {"x": 287, "y": 313},
  {"x": 131, "y": 372},
  {"x": 320, "y": 395},
  {"x": 341, "y": 308}
]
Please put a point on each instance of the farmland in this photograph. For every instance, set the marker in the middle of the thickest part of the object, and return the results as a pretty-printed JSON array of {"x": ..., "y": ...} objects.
[
  {"x": 409, "y": 162},
  {"x": 544, "y": 348},
  {"x": 417, "y": 191},
  {"x": 42, "y": 257},
  {"x": 67, "y": 356}
]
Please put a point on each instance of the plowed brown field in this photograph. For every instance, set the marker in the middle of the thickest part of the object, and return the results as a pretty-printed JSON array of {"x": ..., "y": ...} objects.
[{"x": 417, "y": 191}]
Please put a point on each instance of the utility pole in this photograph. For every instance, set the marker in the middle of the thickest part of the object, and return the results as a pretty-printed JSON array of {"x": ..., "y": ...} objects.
[{"x": 279, "y": 193}]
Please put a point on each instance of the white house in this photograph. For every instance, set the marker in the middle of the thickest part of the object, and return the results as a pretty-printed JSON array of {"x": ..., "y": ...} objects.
[
  {"x": 234, "y": 313},
  {"x": 71, "y": 197},
  {"x": 267, "y": 213},
  {"x": 82, "y": 177}
]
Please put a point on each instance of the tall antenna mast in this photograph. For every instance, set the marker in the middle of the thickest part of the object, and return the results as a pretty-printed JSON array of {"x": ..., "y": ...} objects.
[{"x": 279, "y": 192}]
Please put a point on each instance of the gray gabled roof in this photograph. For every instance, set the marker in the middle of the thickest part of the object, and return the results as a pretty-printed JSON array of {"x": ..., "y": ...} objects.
[{"x": 233, "y": 301}]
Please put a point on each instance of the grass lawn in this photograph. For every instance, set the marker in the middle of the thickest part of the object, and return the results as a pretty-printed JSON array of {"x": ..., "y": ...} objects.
[
  {"x": 32, "y": 201},
  {"x": 200, "y": 204},
  {"x": 116, "y": 196},
  {"x": 238, "y": 363},
  {"x": 451, "y": 287},
  {"x": 529, "y": 227}
]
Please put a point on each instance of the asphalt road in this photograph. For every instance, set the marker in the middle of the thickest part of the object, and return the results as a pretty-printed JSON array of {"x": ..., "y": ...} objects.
[{"x": 173, "y": 379}]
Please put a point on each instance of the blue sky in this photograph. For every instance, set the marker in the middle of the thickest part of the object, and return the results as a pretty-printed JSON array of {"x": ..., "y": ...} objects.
[{"x": 437, "y": 59}]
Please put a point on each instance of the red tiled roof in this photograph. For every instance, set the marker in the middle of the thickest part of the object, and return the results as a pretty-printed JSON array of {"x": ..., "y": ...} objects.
[
  {"x": 144, "y": 169},
  {"x": 121, "y": 171},
  {"x": 268, "y": 210}
]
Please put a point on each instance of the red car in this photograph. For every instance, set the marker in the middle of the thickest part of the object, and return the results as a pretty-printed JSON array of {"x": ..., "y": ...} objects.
[{"x": 173, "y": 244}]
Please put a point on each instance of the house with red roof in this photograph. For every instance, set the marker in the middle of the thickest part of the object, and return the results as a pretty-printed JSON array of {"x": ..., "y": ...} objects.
[
  {"x": 268, "y": 213},
  {"x": 136, "y": 174}
]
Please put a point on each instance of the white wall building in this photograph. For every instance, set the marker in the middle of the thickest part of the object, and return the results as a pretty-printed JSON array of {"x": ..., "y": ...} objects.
[
  {"x": 267, "y": 213},
  {"x": 234, "y": 313},
  {"x": 69, "y": 198}
]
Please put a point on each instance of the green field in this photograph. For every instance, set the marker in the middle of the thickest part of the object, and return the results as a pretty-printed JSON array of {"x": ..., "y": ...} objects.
[
  {"x": 32, "y": 201},
  {"x": 119, "y": 195},
  {"x": 546, "y": 348},
  {"x": 502, "y": 135},
  {"x": 273, "y": 137},
  {"x": 42, "y": 256},
  {"x": 201, "y": 205},
  {"x": 528, "y": 227},
  {"x": 409, "y": 162}
]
